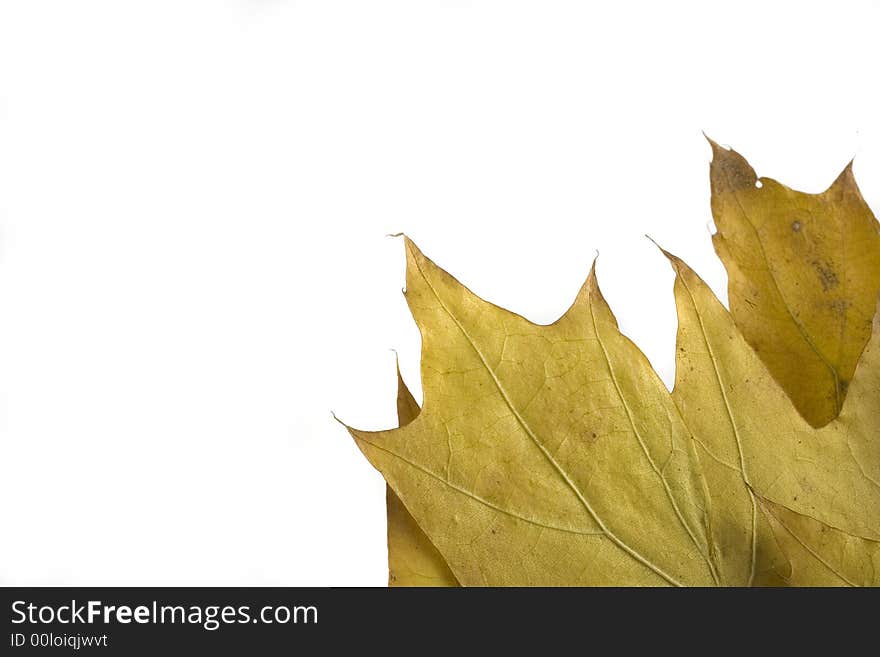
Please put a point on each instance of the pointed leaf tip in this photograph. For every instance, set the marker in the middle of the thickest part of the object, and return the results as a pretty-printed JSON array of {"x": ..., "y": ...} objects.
[
  {"x": 662, "y": 250},
  {"x": 845, "y": 179},
  {"x": 730, "y": 170},
  {"x": 714, "y": 144},
  {"x": 591, "y": 285}
]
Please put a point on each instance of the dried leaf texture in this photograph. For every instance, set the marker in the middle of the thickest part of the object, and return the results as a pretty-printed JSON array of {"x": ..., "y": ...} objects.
[
  {"x": 804, "y": 274},
  {"x": 748, "y": 552},
  {"x": 543, "y": 455},
  {"x": 821, "y": 555},
  {"x": 747, "y": 430},
  {"x": 554, "y": 455},
  {"x": 412, "y": 558}
]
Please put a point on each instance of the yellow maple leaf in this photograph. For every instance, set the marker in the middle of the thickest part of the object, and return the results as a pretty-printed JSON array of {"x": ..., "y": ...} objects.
[
  {"x": 804, "y": 274},
  {"x": 543, "y": 454},
  {"x": 553, "y": 455}
]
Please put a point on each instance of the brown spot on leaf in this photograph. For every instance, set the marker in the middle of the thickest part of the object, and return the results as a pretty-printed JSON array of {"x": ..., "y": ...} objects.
[
  {"x": 827, "y": 275},
  {"x": 839, "y": 306}
]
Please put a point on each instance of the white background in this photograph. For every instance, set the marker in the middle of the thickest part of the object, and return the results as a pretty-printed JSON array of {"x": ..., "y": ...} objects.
[{"x": 194, "y": 273}]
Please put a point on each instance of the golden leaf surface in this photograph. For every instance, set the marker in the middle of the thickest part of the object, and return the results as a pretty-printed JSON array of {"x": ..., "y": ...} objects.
[
  {"x": 817, "y": 487},
  {"x": 804, "y": 274},
  {"x": 543, "y": 454},
  {"x": 412, "y": 558},
  {"x": 821, "y": 555},
  {"x": 553, "y": 455}
]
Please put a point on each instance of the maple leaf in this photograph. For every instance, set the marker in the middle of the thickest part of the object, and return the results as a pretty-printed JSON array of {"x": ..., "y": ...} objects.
[
  {"x": 803, "y": 277},
  {"x": 542, "y": 454},
  {"x": 554, "y": 454}
]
